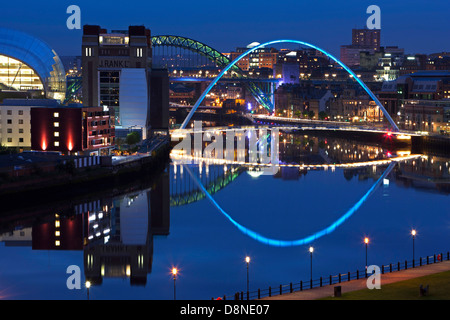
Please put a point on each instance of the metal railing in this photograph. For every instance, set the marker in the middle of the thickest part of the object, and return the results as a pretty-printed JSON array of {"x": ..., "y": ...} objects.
[{"x": 335, "y": 279}]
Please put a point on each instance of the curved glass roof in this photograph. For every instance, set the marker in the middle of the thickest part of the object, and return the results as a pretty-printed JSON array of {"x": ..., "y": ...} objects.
[{"x": 39, "y": 56}]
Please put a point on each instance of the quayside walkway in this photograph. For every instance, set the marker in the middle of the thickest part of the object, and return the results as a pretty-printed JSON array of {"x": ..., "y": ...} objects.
[{"x": 359, "y": 284}]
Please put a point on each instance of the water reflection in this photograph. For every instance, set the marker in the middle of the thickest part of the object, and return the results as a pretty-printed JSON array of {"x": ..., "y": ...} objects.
[
  {"x": 115, "y": 232},
  {"x": 297, "y": 242},
  {"x": 298, "y": 153}
]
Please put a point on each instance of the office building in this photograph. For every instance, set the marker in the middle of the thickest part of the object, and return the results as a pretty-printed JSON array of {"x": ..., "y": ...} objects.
[
  {"x": 15, "y": 121},
  {"x": 72, "y": 129},
  {"x": 368, "y": 38},
  {"x": 419, "y": 101},
  {"x": 363, "y": 40},
  {"x": 258, "y": 59}
]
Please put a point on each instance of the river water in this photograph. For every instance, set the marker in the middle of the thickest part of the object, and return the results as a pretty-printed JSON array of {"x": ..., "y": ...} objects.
[{"x": 204, "y": 217}]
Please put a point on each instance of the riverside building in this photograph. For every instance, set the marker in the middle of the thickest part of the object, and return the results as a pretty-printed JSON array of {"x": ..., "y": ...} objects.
[{"x": 117, "y": 73}]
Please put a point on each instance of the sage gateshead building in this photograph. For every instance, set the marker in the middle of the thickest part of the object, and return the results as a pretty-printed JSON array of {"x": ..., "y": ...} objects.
[{"x": 29, "y": 65}]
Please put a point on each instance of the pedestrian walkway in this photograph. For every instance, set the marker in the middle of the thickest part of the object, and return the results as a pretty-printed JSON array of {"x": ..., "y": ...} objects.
[{"x": 353, "y": 285}]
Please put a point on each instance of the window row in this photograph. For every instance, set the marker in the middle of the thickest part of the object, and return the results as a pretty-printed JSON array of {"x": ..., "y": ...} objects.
[
  {"x": 11, "y": 140},
  {"x": 9, "y": 121},
  {"x": 10, "y": 130},
  {"x": 9, "y": 112}
]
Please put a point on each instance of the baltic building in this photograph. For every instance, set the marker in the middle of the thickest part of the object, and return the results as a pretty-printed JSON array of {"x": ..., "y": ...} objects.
[{"x": 117, "y": 73}]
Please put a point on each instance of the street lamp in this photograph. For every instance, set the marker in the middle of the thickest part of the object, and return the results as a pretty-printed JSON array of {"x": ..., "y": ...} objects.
[
  {"x": 413, "y": 233},
  {"x": 311, "y": 250},
  {"x": 247, "y": 260},
  {"x": 88, "y": 285},
  {"x": 366, "y": 241},
  {"x": 174, "y": 273}
]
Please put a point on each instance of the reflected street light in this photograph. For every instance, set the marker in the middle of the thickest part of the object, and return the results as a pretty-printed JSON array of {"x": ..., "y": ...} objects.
[
  {"x": 174, "y": 273},
  {"x": 247, "y": 260},
  {"x": 413, "y": 233}
]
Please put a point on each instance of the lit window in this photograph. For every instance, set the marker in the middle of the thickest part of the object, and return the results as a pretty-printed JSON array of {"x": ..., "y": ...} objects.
[
  {"x": 56, "y": 124},
  {"x": 56, "y": 134},
  {"x": 57, "y": 233},
  {"x": 57, "y": 223},
  {"x": 56, "y": 114},
  {"x": 57, "y": 243},
  {"x": 56, "y": 143}
]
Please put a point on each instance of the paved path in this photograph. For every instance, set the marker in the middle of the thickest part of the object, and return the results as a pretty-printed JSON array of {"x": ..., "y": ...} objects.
[{"x": 395, "y": 276}]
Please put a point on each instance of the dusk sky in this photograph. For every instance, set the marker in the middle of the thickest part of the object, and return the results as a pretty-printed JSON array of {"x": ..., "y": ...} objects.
[{"x": 416, "y": 26}]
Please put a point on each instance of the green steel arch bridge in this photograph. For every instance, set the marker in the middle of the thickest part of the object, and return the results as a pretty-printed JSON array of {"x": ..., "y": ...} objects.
[
  {"x": 183, "y": 190},
  {"x": 218, "y": 59},
  {"x": 204, "y": 50}
]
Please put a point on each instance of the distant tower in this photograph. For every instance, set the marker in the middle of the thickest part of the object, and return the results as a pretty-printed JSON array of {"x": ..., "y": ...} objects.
[
  {"x": 366, "y": 38},
  {"x": 363, "y": 40}
]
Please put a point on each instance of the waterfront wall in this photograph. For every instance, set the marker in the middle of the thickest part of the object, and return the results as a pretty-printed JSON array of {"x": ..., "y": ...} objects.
[
  {"x": 436, "y": 145},
  {"x": 80, "y": 174}
]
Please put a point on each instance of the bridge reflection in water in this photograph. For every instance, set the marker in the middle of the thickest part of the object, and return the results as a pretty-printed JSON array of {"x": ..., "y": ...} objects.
[
  {"x": 184, "y": 189},
  {"x": 116, "y": 231},
  {"x": 337, "y": 154}
]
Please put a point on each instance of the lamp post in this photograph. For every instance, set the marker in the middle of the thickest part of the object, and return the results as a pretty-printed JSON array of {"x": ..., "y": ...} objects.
[
  {"x": 366, "y": 242},
  {"x": 311, "y": 250},
  {"x": 413, "y": 233},
  {"x": 174, "y": 273},
  {"x": 88, "y": 285},
  {"x": 247, "y": 260}
]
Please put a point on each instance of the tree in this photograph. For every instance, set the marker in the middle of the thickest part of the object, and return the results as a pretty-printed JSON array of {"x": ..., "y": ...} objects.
[
  {"x": 133, "y": 138},
  {"x": 311, "y": 114},
  {"x": 119, "y": 142},
  {"x": 3, "y": 149},
  {"x": 322, "y": 115}
]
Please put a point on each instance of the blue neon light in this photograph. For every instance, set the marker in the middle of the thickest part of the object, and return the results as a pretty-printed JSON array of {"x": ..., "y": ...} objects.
[
  {"x": 297, "y": 242},
  {"x": 363, "y": 85}
]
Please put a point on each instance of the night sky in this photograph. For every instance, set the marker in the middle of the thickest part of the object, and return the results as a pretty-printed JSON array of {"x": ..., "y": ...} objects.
[{"x": 416, "y": 26}]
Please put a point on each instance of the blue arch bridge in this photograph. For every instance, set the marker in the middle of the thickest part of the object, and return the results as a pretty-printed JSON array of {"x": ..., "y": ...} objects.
[{"x": 180, "y": 52}]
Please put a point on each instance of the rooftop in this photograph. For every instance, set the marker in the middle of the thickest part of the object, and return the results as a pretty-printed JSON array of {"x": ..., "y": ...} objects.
[{"x": 31, "y": 102}]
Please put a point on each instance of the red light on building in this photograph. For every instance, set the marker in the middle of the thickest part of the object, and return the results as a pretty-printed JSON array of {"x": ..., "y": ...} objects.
[{"x": 66, "y": 129}]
